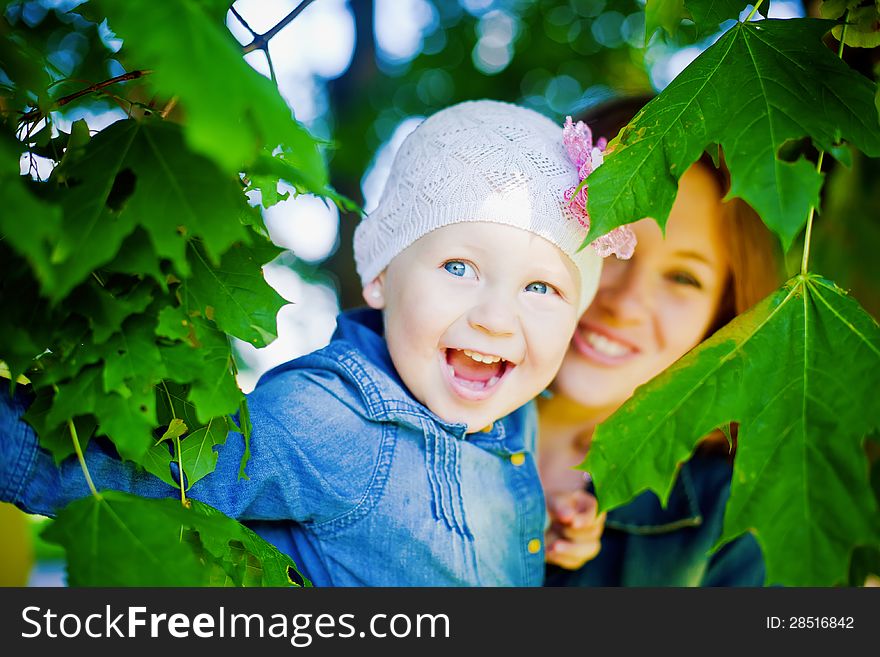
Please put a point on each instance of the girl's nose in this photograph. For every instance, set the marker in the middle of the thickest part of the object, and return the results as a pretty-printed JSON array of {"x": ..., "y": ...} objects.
[{"x": 493, "y": 317}]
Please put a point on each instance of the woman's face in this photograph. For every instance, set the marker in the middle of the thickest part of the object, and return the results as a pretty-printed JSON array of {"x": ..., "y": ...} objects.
[{"x": 653, "y": 308}]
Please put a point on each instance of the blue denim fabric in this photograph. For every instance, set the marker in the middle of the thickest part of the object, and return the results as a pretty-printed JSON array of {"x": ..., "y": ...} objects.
[
  {"x": 357, "y": 481},
  {"x": 647, "y": 545}
]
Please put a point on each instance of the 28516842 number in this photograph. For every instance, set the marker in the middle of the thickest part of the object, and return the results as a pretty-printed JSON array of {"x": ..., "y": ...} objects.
[{"x": 811, "y": 623}]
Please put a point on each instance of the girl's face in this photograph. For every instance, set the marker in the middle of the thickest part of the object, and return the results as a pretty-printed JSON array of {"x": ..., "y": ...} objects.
[
  {"x": 477, "y": 318},
  {"x": 651, "y": 309}
]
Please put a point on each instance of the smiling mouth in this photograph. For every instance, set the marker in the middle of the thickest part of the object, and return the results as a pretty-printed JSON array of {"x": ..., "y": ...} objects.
[
  {"x": 600, "y": 347},
  {"x": 473, "y": 375}
]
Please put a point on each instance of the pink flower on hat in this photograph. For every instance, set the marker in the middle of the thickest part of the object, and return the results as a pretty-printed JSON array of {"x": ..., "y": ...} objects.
[
  {"x": 621, "y": 242},
  {"x": 578, "y": 141}
]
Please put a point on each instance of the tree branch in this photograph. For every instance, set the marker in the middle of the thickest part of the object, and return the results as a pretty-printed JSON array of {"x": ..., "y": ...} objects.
[
  {"x": 261, "y": 42},
  {"x": 243, "y": 21},
  {"x": 35, "y": 115}
]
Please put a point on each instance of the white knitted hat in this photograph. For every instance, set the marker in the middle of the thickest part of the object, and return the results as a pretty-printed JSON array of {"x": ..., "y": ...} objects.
[{"x": 478, "y": 161}]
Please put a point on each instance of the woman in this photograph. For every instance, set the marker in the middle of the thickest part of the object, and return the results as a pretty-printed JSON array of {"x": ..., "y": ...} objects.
[{"x": 716, "y": 260}]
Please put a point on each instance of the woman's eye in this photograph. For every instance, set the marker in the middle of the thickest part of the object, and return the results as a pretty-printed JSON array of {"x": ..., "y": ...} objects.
[
  {"x": 684, "y": 278},
  {"x": 460, "y": 269},
  {"x": 540, "y": 288}
]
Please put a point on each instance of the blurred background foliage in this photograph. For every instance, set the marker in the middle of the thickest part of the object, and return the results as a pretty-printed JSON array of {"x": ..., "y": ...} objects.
[{"x": 360, "y": 74}]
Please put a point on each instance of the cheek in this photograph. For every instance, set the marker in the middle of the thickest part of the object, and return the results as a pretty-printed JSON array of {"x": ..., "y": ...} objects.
[
  {"x": 416, "y": 320},
  {"x": 684, "y": 325}
]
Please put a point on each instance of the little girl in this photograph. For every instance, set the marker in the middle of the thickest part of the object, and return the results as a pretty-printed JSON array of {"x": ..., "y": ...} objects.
[{"x": 402, "y": 453}]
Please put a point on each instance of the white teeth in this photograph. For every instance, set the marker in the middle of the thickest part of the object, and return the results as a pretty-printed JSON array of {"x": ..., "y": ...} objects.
[
  {"x": 606, "y": 346},
  {"x": 481, "y": 358}
]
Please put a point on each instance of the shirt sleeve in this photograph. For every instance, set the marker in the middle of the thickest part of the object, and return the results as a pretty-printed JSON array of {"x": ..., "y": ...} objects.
[
  {"x": 293, "y": 472},
  {"x": 30, "y": 478}
]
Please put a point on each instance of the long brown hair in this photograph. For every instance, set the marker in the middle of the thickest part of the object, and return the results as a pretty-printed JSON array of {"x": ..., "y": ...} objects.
[{"x": 754, "y": 255}]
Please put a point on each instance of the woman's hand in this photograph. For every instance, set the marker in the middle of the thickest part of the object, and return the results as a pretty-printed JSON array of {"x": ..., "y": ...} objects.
[{"x": 575, "y": 530}]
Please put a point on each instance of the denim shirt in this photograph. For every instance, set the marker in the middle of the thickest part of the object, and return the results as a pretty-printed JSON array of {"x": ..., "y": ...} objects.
[
  {"x": 359, "y": 483},
  {"x": 645, "y": 544}
]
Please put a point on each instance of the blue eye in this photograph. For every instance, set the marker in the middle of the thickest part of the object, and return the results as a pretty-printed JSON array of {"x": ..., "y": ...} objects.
[
  {"x": 459, "y": 268},
  {"x": 540, "y": 287}
]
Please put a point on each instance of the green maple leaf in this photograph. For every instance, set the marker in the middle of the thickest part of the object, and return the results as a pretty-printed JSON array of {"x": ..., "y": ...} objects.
[
  {"x": 245, "y": 427},
  {"x": 749, "y": 93},
  {"x": 140, "y": 174},
  {"x": 196, "y": 59},
  {"x": 176, "y": 428},
  {"x": 197, "y": 449},
  {"x": 709, "y": 14},
  {"x": 133, "y": 363},
  {"x": 157, "y": 461},
  {"x": 24, "y": 64},
  {"x": 268, "y": 188},
  {"x": 57, "y": 438},
  {"x": 799, "y": 372},
  {"x": 706, "y": 14},
  {"x": 26, "y": 222},
  {"x": 268, "y": 170},
  {"x": 106, "y": 311},
  {"x": 172, "y": 403},
  {"x": 137, "y": 257},
  {"x": 119, "y": 539},
  {"x": 662, "y": 13},
  {"x": 235, "y": 294},
  {"x": 247, "y": 559},
  {"x": 862, "y": 22},
  {"x": 127, "y": 421},
  {"x": 215, "y": 392},
  {"x": 173, "y": 323},
  {"x": 27, "y": 321},
  {"x": 75, "y": 396}
]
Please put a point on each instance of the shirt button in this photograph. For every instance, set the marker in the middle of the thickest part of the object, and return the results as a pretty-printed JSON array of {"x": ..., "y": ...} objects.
[
  {"x": 534, "y": 546},
  {"x": 518, "y": 459}
]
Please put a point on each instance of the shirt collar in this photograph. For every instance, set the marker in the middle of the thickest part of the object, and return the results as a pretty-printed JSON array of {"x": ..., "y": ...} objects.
[
  {"x": 362, "y": 330},
  {"x": 359, "y": 339}
]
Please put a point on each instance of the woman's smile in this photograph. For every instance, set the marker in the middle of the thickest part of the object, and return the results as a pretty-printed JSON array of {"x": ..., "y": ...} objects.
[
  {"x": 602, "y": 345},
  {"x": 650, "y": 310}
]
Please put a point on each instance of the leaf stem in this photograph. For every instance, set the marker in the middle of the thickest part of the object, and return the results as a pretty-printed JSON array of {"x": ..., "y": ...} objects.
[
  {"x": 843, "y": 35},
  {"x": 180, "y": 468},
  {"x": 177, "y": 449},
  {"x": 754, "y": 9},
  {"x": 82, "y": 460},
  {"x": 808, "y": 235},
  {"x": 168, "y": 107}
]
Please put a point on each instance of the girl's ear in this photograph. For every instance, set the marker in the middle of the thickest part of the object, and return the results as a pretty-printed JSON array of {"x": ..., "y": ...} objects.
[{"x": 374, "y": 292}]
